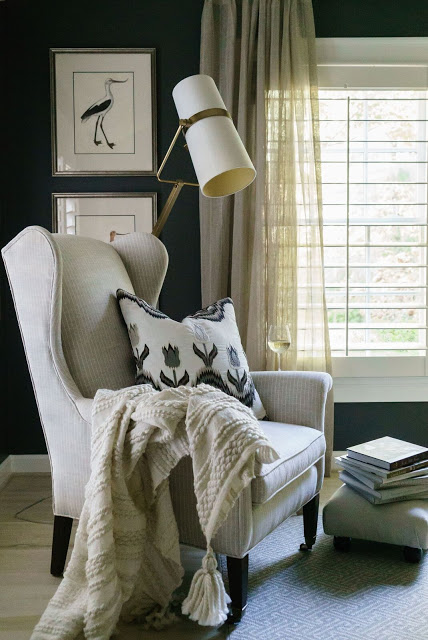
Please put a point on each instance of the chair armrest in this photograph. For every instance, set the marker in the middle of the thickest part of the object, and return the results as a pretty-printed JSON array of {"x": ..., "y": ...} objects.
[{"x": 294, "y": 397}]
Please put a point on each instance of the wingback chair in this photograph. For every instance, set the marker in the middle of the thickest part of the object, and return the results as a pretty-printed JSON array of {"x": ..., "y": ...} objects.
[{"x": 75, "y": 342}]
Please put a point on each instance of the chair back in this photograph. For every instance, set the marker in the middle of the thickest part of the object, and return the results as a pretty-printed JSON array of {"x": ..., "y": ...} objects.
[{"x": 84, "y": 315}]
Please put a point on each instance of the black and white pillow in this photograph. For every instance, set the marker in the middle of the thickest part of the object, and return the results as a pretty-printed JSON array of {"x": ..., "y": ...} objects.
[{"x": 203, "y": 348}]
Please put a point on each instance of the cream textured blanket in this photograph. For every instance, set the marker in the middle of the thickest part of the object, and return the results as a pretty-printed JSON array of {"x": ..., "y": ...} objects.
[{"x": 126, "y": 559}]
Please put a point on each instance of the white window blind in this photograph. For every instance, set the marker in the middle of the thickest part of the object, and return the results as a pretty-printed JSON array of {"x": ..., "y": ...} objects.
[{"x": 374, "y": 173}]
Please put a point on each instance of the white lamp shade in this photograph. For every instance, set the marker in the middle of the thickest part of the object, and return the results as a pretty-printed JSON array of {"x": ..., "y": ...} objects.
[{"x": 221, "y": 162}]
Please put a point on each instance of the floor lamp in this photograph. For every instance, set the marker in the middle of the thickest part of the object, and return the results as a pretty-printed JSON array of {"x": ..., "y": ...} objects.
[{"x": 221, "y": 162}]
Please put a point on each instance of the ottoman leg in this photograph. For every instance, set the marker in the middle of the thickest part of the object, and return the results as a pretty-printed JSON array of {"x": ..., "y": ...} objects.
[
  {"x": 412, "y": 554},
  {"x": 310, "y": 523}
]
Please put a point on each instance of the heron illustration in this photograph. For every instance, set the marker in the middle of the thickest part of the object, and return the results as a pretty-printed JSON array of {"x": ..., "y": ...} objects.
[{"x": 100, "y": 109}]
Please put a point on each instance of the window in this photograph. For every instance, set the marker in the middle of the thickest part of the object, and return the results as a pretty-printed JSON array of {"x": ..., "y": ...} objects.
[
  {"x": 374, "y": 173},
  {"x": 374, "y": 141}
]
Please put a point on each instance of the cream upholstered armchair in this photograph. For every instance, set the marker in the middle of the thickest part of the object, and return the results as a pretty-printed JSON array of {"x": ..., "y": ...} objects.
[{"x": 75, "y": 342}]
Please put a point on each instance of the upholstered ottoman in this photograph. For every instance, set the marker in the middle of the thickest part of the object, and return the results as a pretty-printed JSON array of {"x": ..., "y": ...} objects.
[{"x": 348, "y": 515}]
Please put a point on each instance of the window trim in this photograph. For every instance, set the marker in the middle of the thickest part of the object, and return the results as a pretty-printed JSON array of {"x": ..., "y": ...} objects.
[
  {"x": 372, "y": 51},
  {"x": 383, "y": 389},
  {"x": 368, "y": 63}
]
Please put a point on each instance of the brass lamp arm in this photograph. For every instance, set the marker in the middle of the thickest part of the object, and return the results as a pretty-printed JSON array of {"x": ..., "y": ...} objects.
[
  {"x": 175, "y": 191},
  {"x": 179, "y": 184},
  {"x": 168, "y": 153}
]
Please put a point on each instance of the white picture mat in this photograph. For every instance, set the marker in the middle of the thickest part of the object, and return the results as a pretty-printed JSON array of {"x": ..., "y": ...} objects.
[
  {"x": 96, "y": 216},
  {"x": 119, "y": 121},
  {"x": 107, "y": 65}
]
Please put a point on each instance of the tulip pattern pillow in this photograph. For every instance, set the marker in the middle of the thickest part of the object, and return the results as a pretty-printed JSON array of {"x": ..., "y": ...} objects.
[{"x": 203, "y": 348}]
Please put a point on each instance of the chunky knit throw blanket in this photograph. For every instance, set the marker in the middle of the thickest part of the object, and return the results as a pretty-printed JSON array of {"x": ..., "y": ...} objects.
[{"x": 126, "y": 560}]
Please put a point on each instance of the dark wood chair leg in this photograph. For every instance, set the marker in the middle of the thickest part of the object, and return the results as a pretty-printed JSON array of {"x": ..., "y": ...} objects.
[
  {"x": 310, "y": 523},
  {"x": 60, "y": 542},
  {"x": 237, "y": 571}
]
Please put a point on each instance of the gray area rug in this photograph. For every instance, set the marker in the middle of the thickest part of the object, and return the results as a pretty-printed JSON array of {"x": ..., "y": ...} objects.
[{"x": 370, "y": 593}]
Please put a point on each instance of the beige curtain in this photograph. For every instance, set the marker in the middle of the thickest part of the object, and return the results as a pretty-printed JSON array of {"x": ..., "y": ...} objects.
[{"x": 263, "y": 246}]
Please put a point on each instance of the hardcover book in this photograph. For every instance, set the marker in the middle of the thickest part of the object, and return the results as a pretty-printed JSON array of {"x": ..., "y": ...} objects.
[
  {"x": 377, "y": 501},
  {"x": 375, "y": 481},
  {"x": 384, "y": 495},
  {"x": 388, "y": 453},
  {"x": 382, "y": 473}
]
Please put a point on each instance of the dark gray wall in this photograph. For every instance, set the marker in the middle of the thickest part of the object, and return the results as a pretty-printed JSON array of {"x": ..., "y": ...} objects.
[
  {"x": 370, "y": 18},
  {"x": 173, "y": 28},
  {"x": 355, "y": 423}
]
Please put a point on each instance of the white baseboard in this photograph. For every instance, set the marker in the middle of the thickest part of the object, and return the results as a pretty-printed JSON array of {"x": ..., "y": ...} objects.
[
  {"x": 36, "y": 463},
  {"x": 30, "y": 463},
  {"x": 5, "y": 471}
]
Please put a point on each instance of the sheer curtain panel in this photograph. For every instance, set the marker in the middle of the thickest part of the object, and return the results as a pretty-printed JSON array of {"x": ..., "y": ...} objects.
[{"x": 263, "y": 246}]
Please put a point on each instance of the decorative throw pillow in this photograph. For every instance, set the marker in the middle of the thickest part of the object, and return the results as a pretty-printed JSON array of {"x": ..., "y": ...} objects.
[{"x": 203, "y": 348}]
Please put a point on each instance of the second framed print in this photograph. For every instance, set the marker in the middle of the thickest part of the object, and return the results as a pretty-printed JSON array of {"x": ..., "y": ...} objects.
[
  {"x": 103, "y": 112},
  {"x": 103, "y": 215}
]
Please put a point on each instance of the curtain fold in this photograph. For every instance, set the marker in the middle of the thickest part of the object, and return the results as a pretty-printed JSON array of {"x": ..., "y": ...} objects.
[{"x": 264, "y": 246}]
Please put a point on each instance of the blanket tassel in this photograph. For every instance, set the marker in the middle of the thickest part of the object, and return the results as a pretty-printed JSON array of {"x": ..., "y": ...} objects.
[{"x": 207, "y": 600}]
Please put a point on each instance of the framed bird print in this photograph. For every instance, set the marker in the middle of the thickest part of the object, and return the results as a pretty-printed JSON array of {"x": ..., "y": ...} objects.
[
  {"x": 103, "y": 215},
  {"x": 103, "y": 112}
]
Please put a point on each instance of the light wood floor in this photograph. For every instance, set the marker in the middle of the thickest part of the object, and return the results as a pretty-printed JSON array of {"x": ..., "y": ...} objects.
[{"x": 25, "y": 582}]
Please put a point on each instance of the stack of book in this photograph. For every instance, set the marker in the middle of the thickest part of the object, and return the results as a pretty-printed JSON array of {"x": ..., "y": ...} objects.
[{"x": 386, "y": 470}]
